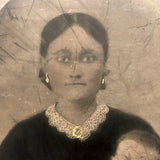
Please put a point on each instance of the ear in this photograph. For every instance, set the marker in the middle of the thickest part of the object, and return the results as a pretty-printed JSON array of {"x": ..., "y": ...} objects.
[
  {"x": 43, "y": 64},
  {"x": 42, "y": 72},
  {"x": 42, "y": 69},
  {"x": 106, "y": 72}
]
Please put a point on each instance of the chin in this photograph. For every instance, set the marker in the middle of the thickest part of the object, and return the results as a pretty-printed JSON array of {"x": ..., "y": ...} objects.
[{"x": 78, "y": 95}]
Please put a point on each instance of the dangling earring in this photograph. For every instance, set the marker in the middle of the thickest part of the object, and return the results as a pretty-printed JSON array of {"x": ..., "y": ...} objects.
[
  {"x": 46, "y": 78},
  {"x": 103, "y": 85}
]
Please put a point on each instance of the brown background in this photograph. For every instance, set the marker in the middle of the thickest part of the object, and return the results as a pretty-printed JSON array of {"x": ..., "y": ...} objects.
[{"x": 133, "y": 84}]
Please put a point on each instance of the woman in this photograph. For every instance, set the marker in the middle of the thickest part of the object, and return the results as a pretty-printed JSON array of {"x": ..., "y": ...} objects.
[{"x": 74, "y": 50}]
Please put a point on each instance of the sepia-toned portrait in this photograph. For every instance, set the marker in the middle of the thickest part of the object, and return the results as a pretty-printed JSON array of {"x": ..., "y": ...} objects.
[{"x": 80, "y": 80}]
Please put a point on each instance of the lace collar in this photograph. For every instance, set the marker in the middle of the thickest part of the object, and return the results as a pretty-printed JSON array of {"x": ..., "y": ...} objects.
[{"x": 82, "y": 132}]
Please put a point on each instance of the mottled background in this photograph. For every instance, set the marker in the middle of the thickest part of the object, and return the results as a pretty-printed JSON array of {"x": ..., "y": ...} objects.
[{"x": 133, "y": 84}]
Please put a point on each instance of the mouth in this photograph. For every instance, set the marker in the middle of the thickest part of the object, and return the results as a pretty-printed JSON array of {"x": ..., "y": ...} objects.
[{"x": 70, "y": 84}]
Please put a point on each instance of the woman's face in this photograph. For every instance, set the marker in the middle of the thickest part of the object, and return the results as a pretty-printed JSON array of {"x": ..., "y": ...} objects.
[{"x": 75, "y": 65}]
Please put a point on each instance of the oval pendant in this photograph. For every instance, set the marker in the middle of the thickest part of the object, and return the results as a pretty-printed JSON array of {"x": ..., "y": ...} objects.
[{"x": 77, "y": 132}]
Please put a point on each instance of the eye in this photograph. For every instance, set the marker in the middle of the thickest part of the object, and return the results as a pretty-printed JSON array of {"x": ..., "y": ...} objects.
[
  {"x": 63, "y": 59},
  {"x": 88, "y": 59}
]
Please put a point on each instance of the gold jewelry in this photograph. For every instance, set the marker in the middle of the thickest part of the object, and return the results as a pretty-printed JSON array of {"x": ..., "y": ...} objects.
[
  {"x": 46, "y": 78},
  {"x": 103, "y": 81},
  {"x": 82, "y": 132},
  {"x": 103, "y": 85},
  {"x": 77, "y": 131}
]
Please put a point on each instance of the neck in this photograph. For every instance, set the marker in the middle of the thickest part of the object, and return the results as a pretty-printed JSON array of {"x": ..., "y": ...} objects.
[{"x": 76, "y": 111}]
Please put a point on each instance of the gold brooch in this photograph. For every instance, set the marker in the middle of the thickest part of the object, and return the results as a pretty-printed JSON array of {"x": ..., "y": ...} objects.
[{"x": 77, "y": 131}]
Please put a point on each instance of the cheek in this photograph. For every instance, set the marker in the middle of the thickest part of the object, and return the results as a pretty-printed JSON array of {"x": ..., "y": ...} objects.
[
  {"x": 95, "y": 73},
  {"x": 55, "y": 73}
]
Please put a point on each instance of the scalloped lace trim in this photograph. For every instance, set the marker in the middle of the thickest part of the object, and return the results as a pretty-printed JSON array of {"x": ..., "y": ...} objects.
[{"x": 82, "y": 132}]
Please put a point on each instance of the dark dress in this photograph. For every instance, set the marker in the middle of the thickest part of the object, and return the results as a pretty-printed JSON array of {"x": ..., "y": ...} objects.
[{"x": 35, "y": 139}]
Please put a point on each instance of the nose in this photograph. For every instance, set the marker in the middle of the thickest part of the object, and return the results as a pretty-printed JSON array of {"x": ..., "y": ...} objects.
[{"x": 75, "y": 74}]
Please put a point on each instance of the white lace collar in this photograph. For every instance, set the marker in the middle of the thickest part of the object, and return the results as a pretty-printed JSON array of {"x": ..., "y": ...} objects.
[{"x": 82, "y": 132}]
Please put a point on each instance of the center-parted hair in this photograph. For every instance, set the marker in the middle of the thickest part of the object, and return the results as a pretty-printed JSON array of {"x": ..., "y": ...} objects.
[{"x": 55, "y": 27}]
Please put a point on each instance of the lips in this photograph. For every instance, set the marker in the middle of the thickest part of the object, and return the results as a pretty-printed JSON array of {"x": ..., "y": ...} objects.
[{"x": 70, "y": 84}]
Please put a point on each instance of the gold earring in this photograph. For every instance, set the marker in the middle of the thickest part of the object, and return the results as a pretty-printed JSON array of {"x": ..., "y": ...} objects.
[
  {"x": 103, "y": 85},
  {"x": 103, "y": 81},
  {"x": 46, "y": 78}
]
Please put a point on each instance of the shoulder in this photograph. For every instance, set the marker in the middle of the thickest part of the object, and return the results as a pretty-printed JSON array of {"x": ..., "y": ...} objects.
[
  {"x": 123, "y": 116},
  {"x": 32, "y": 123},
  {"x": 125, "y": 122},
  {"x": 26, "y": 127},
  {"x": 138, "y": 145},
  {"x": 22, "y": 136}
]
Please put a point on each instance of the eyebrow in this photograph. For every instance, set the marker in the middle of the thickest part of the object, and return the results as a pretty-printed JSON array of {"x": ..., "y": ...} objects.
[
  {"x": 87, "y": 51},
  {"x": 65, "y": 50}
]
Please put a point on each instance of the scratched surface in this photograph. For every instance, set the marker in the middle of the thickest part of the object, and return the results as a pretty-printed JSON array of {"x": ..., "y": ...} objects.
[{"x": 133, "y": 84}]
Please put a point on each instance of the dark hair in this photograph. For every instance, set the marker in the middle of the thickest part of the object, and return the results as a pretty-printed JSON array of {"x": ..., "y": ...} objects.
[
  {"x": 58, "y": 25},
  {"x": 55, "y": 27}
]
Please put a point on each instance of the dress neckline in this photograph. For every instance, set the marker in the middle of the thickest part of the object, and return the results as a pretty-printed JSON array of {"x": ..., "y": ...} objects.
[{"x": 72, "y": 131}]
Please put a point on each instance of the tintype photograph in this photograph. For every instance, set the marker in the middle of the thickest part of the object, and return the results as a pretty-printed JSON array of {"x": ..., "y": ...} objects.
[{"x": 79, "y": 80}]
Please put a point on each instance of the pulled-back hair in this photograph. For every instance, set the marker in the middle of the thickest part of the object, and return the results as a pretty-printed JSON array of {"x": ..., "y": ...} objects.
[{"x": 55, "y": 27}]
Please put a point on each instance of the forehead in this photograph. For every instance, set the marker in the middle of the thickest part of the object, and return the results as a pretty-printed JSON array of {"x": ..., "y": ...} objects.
[{"x": 75, "y": 37}]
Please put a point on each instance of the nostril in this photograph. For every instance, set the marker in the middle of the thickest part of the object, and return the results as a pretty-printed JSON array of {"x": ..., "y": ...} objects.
[{"x": 78, "y": 76}]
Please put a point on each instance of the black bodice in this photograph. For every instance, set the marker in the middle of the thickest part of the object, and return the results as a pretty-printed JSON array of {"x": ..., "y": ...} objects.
[{"x": 35, "y": 139}]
